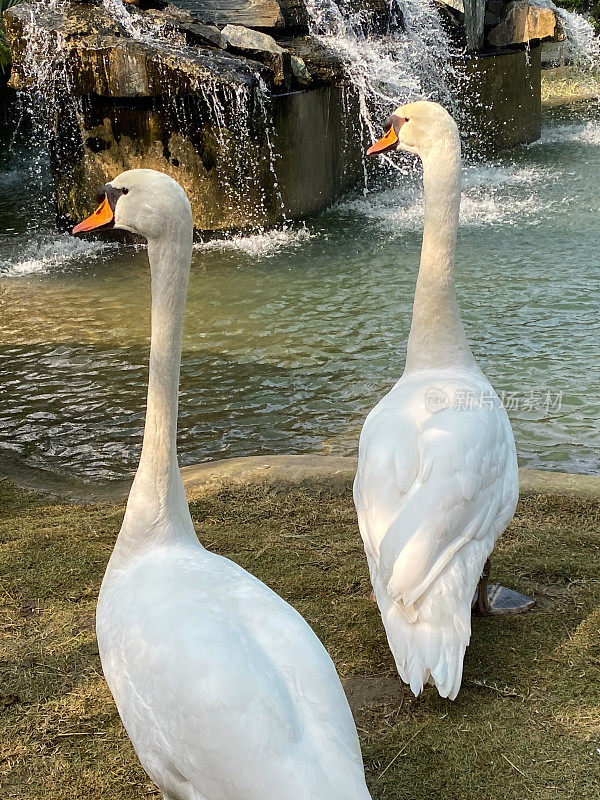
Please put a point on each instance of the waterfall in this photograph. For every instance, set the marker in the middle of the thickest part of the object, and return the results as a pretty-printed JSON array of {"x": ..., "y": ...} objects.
[
  {"x": 583, "y": 45},
  {"x": 237, "y": 109},
  {"x": 407, "y": 56}
]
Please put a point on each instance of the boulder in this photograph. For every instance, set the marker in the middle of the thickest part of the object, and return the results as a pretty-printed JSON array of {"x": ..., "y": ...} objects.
[
  {"x": 197, "y": 33},
  {"x": 523, "y": 22},
  {"x": 257, "y": 45},
  {"x": 103, "y": 60},
  {"x": 323, "y": 64},
  {"x": 300, "y": 71},
  {"x": 457, "y": 5},
  {"x": 177, "y": 21},
  {"x": 255, "y": 13}
]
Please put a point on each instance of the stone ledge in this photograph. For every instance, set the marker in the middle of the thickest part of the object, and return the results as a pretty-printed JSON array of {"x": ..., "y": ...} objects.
[
  {"x": 284, "y": 469},
  {"x": 298, "y": 468}
]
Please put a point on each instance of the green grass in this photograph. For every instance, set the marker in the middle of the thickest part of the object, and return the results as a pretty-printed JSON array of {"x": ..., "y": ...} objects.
[{"x": 525, "y": 725}]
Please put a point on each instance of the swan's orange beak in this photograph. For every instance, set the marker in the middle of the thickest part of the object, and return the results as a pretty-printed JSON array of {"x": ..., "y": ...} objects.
[
  {"x": 387, "y": 142},
  {"x": 101, "y": 217}
]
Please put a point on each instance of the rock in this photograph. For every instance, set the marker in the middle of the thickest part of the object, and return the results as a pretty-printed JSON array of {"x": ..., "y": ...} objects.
[
  {"x": 177, "y": 20},
  {"x": 266, "y": 14},
  {"x": 323, "y": 64},
  {"x": 189, "y": 109},
  {"x": 106, "y": 62},
  {"x": 257, "y": 45},
  {"x": 195, "y": 32},
  {"x": 203, "y": 34},
  {"x": 457, "y": 5},
  {"x": 294, "y": 15},
  {"x": 300, "y": 71},
  {"x": 523, "y": 22},
  {"x": 254, "y": 13},
  {"x": 227, "y": 174}
]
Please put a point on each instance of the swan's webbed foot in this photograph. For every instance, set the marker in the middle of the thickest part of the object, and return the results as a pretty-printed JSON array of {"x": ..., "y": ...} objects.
[{"x": 491, "y": 598}]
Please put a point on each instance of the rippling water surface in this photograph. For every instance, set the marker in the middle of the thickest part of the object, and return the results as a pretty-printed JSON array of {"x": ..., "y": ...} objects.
[{"x": 292, "y": 336}]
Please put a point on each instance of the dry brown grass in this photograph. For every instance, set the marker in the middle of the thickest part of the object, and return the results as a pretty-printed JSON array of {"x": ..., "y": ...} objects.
[{"x": 526, "y": 723}]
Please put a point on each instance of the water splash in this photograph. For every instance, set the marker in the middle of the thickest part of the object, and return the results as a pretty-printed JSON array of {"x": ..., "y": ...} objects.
[
  {"x": 117, "y": 10},
  {"x": 143, "y": 27},
  {"x": 265, "y": 244},
  {"x": 48, "y": 252},
  {"x": 407, "y": 57},
  {"x": 585, "y": 133},
  {"x": 582, "y": 44},
  {"x": 498, "y": 194}
]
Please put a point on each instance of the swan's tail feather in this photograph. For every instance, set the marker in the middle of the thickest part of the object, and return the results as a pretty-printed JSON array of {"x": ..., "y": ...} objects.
[{"x": 429, "y": 640}]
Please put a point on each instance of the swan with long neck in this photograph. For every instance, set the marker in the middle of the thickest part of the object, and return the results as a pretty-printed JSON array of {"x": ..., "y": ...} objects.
[
  {"x": 225, "y": 691},
  {"x": 437, "y": 478}
]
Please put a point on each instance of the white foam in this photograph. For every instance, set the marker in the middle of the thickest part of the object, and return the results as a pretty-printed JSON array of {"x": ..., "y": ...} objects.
[
  {"x": 48, "y": 253},
  {"x": 488, "y": 198},
  {"x": 497, "y": 175},
  {"x": 584, "y": 133},
  {"x": 264, "y": 245},
  {"x": 491, "y": 209}
]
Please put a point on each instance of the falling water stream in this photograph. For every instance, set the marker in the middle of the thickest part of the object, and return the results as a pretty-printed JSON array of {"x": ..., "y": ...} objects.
[
  {"x": 293, "y": 334},
  {"x": 411, "y": 58}
]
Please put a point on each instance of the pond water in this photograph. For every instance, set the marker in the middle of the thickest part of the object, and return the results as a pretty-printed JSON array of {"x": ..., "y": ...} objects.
[{"x": 292, "y": 336}]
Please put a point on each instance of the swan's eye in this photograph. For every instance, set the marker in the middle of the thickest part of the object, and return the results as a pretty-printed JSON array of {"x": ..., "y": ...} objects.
[{"x": 124, "y": 191}]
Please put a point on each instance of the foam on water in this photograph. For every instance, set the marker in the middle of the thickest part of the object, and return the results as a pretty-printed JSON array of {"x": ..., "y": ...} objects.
[
  {"x": 265, "y": 244},
  {"x": 477, "y": 210},
  {"x": 48, "y": 252},
  {"x": 583, "y": 133},
  {"x": 501, "y": 194}
]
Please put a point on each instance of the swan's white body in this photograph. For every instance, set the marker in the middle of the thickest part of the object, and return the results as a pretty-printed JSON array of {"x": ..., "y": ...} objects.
[
  {"x": 437, "y": 479},
  {"x": 223, "y": 688}
]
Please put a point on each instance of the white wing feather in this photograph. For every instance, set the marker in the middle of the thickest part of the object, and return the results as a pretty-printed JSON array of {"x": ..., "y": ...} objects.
[
  {"x": 224, "y": 689},
  {"x": 433, "y": 491}
]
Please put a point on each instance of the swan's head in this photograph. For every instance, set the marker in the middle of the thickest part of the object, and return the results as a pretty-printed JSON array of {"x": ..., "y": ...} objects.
[
  {"x": 417, "y": 128},
  {"x": 142, "y": 201}
]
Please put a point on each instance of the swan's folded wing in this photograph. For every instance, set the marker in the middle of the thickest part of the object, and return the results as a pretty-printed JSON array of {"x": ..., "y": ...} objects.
[
  {"x": 424, "y": 490},
  {"x": 221, "y": 684}
]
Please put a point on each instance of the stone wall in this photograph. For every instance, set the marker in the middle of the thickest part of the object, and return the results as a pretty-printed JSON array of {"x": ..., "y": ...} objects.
[
  {"x": 233, "y": 182},
  {"x": 253, "y": 132},
  {"x": 319, "y": 145},
  {"x": 256, "y": 129},
  {"x": 504, "y": 104}
]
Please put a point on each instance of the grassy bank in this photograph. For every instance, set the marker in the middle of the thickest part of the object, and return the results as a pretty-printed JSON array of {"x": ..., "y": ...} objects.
[
  {"x": 564, "y": 85},
  {"x": 526, "y": 723}
]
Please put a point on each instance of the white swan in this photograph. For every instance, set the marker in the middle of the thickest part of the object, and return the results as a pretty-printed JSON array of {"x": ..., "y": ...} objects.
[
  {"x": 437, "y": 479},
  {"x": 223, "y": 688}
]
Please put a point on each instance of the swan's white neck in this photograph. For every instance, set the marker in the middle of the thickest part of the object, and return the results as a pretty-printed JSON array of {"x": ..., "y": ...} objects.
[
  {"x": 437, "y": 337},
  {"x": 157, "y": 510}
]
